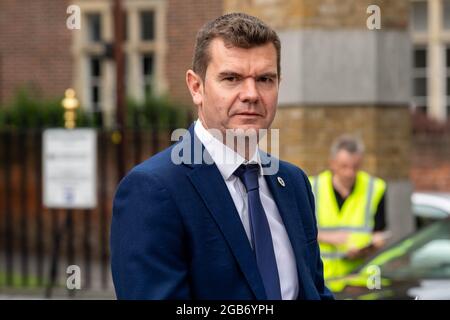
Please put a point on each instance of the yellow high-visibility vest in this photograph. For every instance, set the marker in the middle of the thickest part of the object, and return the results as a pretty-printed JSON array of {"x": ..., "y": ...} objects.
[{"x": 356, "y": 215}]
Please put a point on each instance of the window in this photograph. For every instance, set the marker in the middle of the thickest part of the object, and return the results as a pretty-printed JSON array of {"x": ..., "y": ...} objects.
[
  {"x": 94, "y": 60},
  {"x": 94, "y": 27},
  {"x": 420, "y": 58},
  {"x": 146, "y": 53},
  {"x": 147, "y": 21},
  {"x": 420, "y": 87},
  {"x": 424, "y": 255},
  {"x": 419, "y": 17},
  {"x": 95, "y": 77},
  {"x": 420, "y": 79},
  {"x": 147, "y": 73},
  {"x": 143, "y": 30},
  {"x": 447, "y": 57},
  {"x": 434, "y": 99},
  {"x": 446, "y": 10}
]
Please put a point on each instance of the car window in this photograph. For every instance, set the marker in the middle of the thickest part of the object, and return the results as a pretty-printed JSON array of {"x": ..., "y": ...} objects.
[
  {"x": 424, "y": 254},
  {"x": 429, "y": 212},
  {"x": 434, "y": 254}
]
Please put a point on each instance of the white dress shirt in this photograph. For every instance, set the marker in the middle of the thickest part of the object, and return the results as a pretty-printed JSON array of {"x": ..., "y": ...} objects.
[{"x": 284, "y": 254}]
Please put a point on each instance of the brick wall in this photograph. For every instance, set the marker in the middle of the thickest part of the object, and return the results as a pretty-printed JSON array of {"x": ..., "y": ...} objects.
[
  {"x": 34, "y": 47},
  {"x": 430, "y": 163},
  {"x": 184, "y": 18},
  {"x": 326, "y": 14},
  {"x": 35, "y": 44},
  {"x": 307, "y": 132},
  {"x": 430, "y": 170}
]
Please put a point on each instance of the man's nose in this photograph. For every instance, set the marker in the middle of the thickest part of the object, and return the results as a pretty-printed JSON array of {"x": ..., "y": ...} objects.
[
  {"x": 249, "y": 91},
  {"x": 351, "y": 173}
]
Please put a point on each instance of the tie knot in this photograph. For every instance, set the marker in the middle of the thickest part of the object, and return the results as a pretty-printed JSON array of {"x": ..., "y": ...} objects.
[{"x": 248, "y": 174}]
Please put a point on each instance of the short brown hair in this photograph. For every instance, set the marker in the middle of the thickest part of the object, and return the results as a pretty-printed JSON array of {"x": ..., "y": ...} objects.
[{"x": 235, "y": 29}]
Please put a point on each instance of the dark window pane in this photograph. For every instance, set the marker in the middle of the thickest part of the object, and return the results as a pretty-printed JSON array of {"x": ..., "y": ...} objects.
[
  {"x": 147, "y": 64},
  {"x": 95, "y": 94},
  {"x": 420, "y": 87},
  {"x": 420, "y": 58},
  {"x": 147, "y": 25},
  {"x": 448, "y": 57},
  {"x": 448, "y": 86},
  {"x": 94, "y": 27},
  {"x": 95, "y": 67},
  {"x": 448, "y": 112},
  {"x": 147, "y": 73}
]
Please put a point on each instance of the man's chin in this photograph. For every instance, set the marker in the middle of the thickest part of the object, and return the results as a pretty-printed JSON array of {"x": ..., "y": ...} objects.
[
  {"x": 249, "y": 126},
  {"x": 245, "y": 130}
]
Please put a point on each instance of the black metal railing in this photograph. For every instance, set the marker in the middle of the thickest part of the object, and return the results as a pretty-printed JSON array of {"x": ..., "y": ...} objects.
[{"x": 32, "y": 235}]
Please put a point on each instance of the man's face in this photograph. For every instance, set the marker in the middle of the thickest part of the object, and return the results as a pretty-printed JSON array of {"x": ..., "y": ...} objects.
[
  {"x": 240, "y": 89},
  {"x": 345, "y": 166}
]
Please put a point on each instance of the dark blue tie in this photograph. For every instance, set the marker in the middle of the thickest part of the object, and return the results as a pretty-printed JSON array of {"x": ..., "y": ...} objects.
[{"x": 260, "y": 232}]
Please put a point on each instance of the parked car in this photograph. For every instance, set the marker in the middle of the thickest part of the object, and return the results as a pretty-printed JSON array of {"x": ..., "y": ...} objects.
[
  {"x": 428, "y": 207},
  {"x": 417, "y": 267}
]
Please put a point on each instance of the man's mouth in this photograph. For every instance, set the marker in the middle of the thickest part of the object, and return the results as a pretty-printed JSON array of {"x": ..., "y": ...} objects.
[{"x": 248, "y": 114}]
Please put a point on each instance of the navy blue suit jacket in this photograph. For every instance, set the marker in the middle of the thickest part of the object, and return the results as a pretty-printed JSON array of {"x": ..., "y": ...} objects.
[{"x": 176, "y": 234}]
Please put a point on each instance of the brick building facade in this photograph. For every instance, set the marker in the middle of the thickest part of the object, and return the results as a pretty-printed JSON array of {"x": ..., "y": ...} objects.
[
  {"x": 38, "y": 51},
  {"x": 338, "y": 76},
  {"x": 34, "y": 47}
]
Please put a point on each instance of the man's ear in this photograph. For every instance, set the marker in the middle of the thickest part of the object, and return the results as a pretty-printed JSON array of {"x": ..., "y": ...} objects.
[{"x": 195, "y": 85}]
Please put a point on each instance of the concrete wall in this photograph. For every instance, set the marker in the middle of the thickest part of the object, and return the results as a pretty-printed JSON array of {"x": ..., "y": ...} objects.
[{"x": 338, "y": 77}]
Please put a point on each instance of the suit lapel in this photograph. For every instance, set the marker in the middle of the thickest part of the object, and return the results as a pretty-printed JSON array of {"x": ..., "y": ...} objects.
[
  {"x": 219, "y": 202},
  {"x": 285, "y": 199},
  {"x": 221, "y": 206}
]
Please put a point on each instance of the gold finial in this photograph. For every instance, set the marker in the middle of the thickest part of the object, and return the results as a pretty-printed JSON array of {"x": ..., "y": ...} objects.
[{"x": 70, "y": 104}]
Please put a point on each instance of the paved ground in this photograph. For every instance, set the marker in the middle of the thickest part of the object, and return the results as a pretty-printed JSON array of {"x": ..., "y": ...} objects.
[
  {"x": 96, "y": 290},
  {"x": 58, "y": 294}
]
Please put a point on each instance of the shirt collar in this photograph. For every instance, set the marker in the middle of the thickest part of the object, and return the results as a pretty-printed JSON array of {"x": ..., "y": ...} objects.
[{"x": 225, "y": 158}]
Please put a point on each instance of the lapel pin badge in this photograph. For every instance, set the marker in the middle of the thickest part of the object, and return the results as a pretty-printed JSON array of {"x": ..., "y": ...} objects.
[{"x": 281, "y": 181}]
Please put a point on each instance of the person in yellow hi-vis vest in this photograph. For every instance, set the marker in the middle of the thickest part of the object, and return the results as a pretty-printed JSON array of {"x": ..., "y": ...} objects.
[{"x": 350, "y": 209}]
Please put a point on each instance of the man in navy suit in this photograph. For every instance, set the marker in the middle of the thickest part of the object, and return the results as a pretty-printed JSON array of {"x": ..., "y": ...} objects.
[{"x": 185, "y": 228}]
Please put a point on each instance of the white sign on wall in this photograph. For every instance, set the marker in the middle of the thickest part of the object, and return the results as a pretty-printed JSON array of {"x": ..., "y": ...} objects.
[{"x": 69, "y": 168}]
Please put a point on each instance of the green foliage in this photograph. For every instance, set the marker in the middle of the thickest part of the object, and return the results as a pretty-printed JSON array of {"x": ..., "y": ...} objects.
[
  {"x": 27, "y": 110},
  {"x": 17, "y": 281},
  {"x": 155, "y": 112}
]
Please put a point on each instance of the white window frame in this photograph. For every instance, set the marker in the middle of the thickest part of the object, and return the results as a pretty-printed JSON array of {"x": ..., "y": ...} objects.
[
  {"x": 436, "y": 40},
  {"x": 133, "y": 47}
]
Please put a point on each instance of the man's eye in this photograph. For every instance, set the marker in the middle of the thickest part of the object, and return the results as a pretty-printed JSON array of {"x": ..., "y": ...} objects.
[
  {"x": 230, "y": 79},
  {"x": 265, "y": 80}
]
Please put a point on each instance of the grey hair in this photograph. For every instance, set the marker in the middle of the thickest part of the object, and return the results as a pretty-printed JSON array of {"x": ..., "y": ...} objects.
[{"x": 348, "y": 143}]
